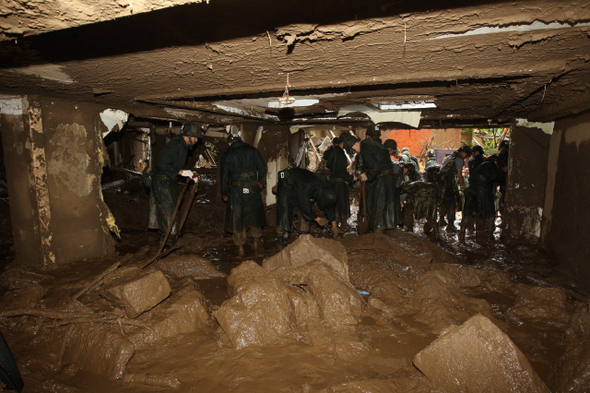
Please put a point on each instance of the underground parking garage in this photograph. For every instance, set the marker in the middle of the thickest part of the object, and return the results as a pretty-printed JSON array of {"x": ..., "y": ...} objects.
[{"x": 90, "y": 93}]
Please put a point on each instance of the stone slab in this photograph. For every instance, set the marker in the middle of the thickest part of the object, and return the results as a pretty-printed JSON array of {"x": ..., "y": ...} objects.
[
  {"x": 140, "y": 291},
  {"x": 478, "y": 357}
]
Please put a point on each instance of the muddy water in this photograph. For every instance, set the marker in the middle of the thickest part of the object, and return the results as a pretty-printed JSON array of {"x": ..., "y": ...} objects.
[{"x": 414, "y": 289}]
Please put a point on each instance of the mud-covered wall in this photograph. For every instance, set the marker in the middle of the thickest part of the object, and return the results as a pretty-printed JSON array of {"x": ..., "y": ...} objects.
[
  {"x": 54, "y": 158},
  {"x": 527, "y": 177},
  {"x": 566, "y": 221}
]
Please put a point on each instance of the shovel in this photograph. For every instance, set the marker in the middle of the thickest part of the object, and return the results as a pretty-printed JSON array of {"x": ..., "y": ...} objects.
[{"x": 363, "y": 223}]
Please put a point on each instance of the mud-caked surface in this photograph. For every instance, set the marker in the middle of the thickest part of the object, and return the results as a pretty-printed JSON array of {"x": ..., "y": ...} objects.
[{"x": 232, "y": 324}]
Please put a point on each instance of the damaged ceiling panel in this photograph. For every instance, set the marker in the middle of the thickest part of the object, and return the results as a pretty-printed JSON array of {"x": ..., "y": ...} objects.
[{"x": 224, "y": 62}]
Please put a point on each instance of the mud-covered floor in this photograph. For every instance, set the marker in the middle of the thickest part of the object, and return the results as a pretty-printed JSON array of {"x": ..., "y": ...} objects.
[{"x": 413, "y": 289}]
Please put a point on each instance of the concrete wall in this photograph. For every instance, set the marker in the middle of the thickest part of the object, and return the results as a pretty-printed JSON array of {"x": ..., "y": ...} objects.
[
  {"x": 527, "y": 177},
  {"x": 566, "y": 218},
  {"x": 54, "y": 156}
]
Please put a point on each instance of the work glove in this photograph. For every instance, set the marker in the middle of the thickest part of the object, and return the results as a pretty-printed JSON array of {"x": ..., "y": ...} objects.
[
  {"x": 363, "y": 177},
  {"x": 187, "y": 173},
  {"x": 335, "y": 231},
  {"x": 322, "y": 221}
]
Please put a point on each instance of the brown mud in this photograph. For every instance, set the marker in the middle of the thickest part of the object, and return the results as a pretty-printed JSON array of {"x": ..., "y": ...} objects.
[{"x": 409, "y": 289}]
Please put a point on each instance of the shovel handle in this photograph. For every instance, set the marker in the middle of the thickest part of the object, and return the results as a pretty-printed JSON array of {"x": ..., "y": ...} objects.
[{"x": 178, "y": 203}]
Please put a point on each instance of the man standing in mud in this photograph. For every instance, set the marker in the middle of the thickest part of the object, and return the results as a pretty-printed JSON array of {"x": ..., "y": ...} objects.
[
  {"x": 379, "y": 175},
  {"x": 338, "y": 164},
  {"x": 452, "y": 185},
  {"x": 479, "y": 197},
  {"x": 164, "y": 187},
  {"x": 243, "y": 172}
]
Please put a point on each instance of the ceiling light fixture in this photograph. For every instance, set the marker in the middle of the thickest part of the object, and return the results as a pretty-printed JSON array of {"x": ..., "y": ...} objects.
[
  {"x": 286, "y": 99},
  {"x": 396, "y": 106},
  {"x": 294, "y": 103}
]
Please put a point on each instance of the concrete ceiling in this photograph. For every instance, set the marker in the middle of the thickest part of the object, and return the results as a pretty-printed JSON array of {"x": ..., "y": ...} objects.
[{"x": 226, "y": 61}]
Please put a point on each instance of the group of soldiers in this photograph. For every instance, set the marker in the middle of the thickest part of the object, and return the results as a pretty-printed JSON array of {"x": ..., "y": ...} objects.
[{"x": 396, "y": 191}]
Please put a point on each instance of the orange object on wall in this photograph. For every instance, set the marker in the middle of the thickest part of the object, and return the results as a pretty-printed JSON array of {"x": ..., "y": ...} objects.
[{"x": 416, "y": 140}]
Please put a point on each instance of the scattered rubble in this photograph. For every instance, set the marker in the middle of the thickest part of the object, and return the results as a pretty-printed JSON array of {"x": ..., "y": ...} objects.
[{"x": 358, "y": 316}]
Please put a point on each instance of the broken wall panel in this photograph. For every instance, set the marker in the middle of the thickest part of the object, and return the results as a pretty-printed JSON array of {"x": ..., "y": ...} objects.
[
  {"x": 567, "y": 208},
  {"x": 54, "y": 164},
  {"x": 527, "y": 177}
]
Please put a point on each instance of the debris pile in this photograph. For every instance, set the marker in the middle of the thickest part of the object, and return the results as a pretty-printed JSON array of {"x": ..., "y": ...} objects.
[
  {"x": 388, "y": 312},
  {"x": 302, "y": 293}
]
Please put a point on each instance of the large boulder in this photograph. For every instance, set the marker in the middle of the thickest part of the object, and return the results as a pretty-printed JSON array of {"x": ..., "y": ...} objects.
[
  {"x": 571, "y": 372},
  {"x": 306, "y": 303},
  {"x": 138, "y": 290},
  {"x": 97, "y": 348},
  {"x": 439, "y": 303},
  {"x": 307, "y": 248},
  {"x": 189, "y": 265},
  {"x": 478, "y": 357},
  {"x": 185, "y": 311},
  {"x": 540, "y": 305},
  {"x": 261, "y": 311}
]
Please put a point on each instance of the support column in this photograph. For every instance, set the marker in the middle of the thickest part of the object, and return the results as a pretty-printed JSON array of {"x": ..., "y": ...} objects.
[
  {"x": 527, "y": 179},
  {"x": 52, "y": 152}
]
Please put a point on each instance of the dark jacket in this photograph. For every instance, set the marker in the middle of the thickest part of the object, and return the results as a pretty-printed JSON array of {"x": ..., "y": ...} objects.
[
  {"x": 164, "y": 187},
  {"x": 475, "y": 162},
  {"x": 172, "y": 158},
  {"x": 479, "y": 196},
  {"x": 381, "y": 192},
  {"x": 242, "y": 168},
  {"x": 338, "y": 164},
  {"x": 296, "y": 190}
]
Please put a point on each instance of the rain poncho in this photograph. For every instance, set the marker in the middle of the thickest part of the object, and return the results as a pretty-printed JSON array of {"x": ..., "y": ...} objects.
[
  {"x": 382, "y": 195},
  {"x": 242, "y": 168},
  {"x": 479, "y": 196},
  {"x": 296, "y": 191},
  {"x": 164, "y": 187},
  {"x": 337, "y": 163}
]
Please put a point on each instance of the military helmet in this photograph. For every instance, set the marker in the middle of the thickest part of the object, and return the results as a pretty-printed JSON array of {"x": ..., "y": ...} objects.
[
  {"x": 233, "y": 138},
  {"x": 373, "y": 131},
  {"x": 430, "y": 153},
  {"x": 191, "y": 130},
  {"x": 390, "y": 144},
  {"x": 477, "y": 148}
]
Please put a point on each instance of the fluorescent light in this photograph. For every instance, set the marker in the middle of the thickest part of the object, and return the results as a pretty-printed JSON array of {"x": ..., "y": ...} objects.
[
  {"x": 297, "y": 102},
  {"x": 391, "y": 106}
]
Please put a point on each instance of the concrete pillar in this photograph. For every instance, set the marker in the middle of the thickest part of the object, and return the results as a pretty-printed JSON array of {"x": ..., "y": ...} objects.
[
  {"x": 53, "y": 153},
  {"x": 566, "y": 219},
  {"x": 527, "y": 179}
]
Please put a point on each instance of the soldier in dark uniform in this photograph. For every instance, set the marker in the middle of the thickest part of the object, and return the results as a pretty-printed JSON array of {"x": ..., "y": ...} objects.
[
  {"x": 338, "y": 164},
  {"x": 451, "y": 184},
  {"x": 379, "y": 174},
  {"x": 243, "y": 172},
  {"x": 479, "y": 197},
  {"x": 297, "y": 190},
  {"x": 477, "y": 158},
  {"x": 164, "y": 186}
]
